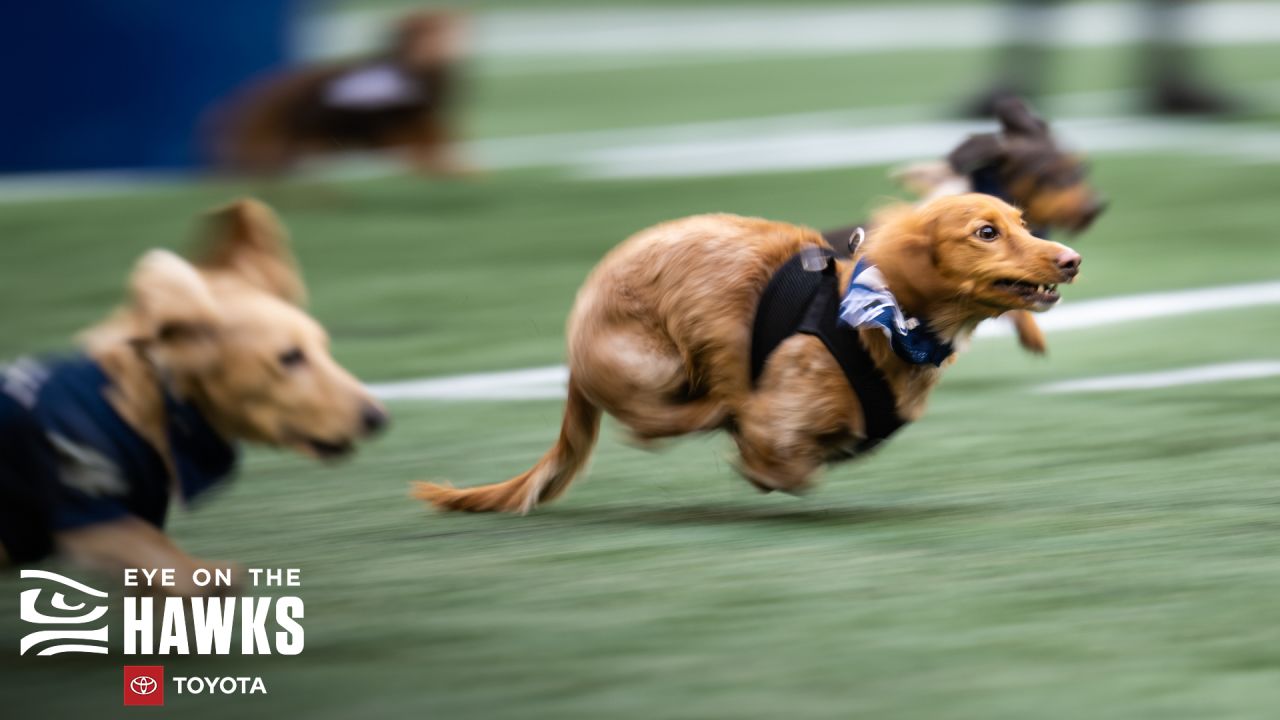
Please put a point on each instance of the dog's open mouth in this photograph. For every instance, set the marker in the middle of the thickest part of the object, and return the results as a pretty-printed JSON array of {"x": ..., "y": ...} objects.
[
  {"x": 326, "y": 450},
  {"x": 1030, "y": 293}
]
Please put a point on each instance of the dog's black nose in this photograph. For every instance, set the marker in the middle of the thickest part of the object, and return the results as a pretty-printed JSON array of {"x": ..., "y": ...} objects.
[
  {"x": 373, "y": 418},
  {"x": 1069, "y": 262}
]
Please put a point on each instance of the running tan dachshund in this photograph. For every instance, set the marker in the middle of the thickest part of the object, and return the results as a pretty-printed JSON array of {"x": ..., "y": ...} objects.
[
  {"x": 202, "y": 356},
  {"x": 752, "y": 326}
]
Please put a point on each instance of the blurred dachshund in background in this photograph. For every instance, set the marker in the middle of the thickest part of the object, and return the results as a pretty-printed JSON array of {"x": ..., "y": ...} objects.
[
  {"x": 402, "y": 99},
  {"x": 1021, "y": 164}
]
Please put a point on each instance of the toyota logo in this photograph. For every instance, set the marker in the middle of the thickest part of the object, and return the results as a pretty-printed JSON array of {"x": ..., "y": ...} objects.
[{"x": 143, "y": 685}]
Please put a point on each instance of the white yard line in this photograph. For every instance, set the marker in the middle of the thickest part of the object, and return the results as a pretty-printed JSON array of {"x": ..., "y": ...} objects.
[
  {"x": 588, "y": 38},
  {"x": 548, "y": 382},
  {"x": 531, "y": 384},
  {"x": 811, "y": 148},
  {"x": 1168, "y": 378}
]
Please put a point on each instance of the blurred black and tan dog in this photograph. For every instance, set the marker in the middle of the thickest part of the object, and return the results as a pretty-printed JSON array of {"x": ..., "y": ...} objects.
[
  {"x": 401, "y": 99},
  {"x": 1022, "y": 164},
  {"x": 95, "y": 447}
]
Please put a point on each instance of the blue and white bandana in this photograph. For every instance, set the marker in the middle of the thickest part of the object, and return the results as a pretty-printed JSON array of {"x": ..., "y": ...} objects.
[{"x": 868, "y": 303}]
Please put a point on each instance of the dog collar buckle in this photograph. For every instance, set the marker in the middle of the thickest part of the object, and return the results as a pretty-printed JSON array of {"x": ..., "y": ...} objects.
[{"x": 856, "y": 238}]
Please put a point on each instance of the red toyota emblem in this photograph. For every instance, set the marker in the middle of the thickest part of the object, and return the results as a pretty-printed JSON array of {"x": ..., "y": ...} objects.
[{"x": 143, "y": 684}]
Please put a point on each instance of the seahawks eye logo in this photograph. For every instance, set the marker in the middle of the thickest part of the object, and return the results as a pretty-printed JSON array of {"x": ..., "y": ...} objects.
[{"x": 72, "y": 623}]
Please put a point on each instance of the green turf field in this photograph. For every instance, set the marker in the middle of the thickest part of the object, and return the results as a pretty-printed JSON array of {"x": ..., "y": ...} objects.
[{"x": 1013, "y": 555}]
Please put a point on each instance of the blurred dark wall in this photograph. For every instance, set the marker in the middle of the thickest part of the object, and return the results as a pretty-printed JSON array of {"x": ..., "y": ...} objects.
[{"x": 106, "y": 84}]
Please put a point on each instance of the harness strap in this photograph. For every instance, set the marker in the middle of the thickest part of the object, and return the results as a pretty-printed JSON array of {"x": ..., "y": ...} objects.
[{"x": 798, "y": 300}]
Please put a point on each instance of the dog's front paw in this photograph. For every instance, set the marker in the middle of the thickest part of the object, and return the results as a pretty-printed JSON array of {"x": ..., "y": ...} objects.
[
  {"x": 767, "y": 481},
  {"x": 1030, "y": 336},
  {"x": 1033, "y": 343}
]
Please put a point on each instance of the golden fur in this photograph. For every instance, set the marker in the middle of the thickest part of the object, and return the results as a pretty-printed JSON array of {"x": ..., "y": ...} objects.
[
  {"x": 660, "y": 338},
  {"x": 1074, "y": 206},
  {"x": 227, "y": 333},
  {"x": 1047, "y": 183}
]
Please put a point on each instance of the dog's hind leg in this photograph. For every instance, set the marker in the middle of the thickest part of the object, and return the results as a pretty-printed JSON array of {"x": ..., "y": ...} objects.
[
  {"x": 543, "y": 482},
  {"x": 642, "y": 380},
  {"x": 657, "y": 420}
]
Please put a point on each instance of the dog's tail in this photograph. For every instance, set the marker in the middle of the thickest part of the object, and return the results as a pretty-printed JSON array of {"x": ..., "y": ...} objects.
[{"x": 544, "y": 482}]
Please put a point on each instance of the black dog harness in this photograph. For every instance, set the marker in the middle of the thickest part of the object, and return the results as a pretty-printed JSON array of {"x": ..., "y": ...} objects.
[
  {"x": 68, "y": 459},
  {"x": 800, "y": 300}
]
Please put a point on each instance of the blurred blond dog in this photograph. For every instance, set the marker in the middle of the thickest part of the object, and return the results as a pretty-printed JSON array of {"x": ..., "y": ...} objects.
[
  {"x": 661, "y": 337},
  {"x": 202, "y": 356}
]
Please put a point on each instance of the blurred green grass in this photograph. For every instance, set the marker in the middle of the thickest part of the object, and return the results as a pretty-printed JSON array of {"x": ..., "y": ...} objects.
[
  {"x": 720, "y": 87},
  {"x": 1013, "y": 555}
]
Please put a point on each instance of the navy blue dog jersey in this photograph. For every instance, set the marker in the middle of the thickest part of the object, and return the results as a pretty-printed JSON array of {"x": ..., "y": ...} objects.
[{"x": 68, "y": 460}]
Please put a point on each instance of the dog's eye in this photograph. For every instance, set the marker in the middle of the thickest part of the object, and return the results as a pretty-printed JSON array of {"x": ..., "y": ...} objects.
[
  {"x": 293, "y": 358},
  {"x": 988, "y": 233}
]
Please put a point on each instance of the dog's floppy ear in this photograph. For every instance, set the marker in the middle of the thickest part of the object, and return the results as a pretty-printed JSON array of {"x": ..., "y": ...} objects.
[
  {"x": 176, "y": 319},
  {"x": 247, "y": 238},
  {"x": 1017, "y": 118},
  {"x": 976, "y": 152}
]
